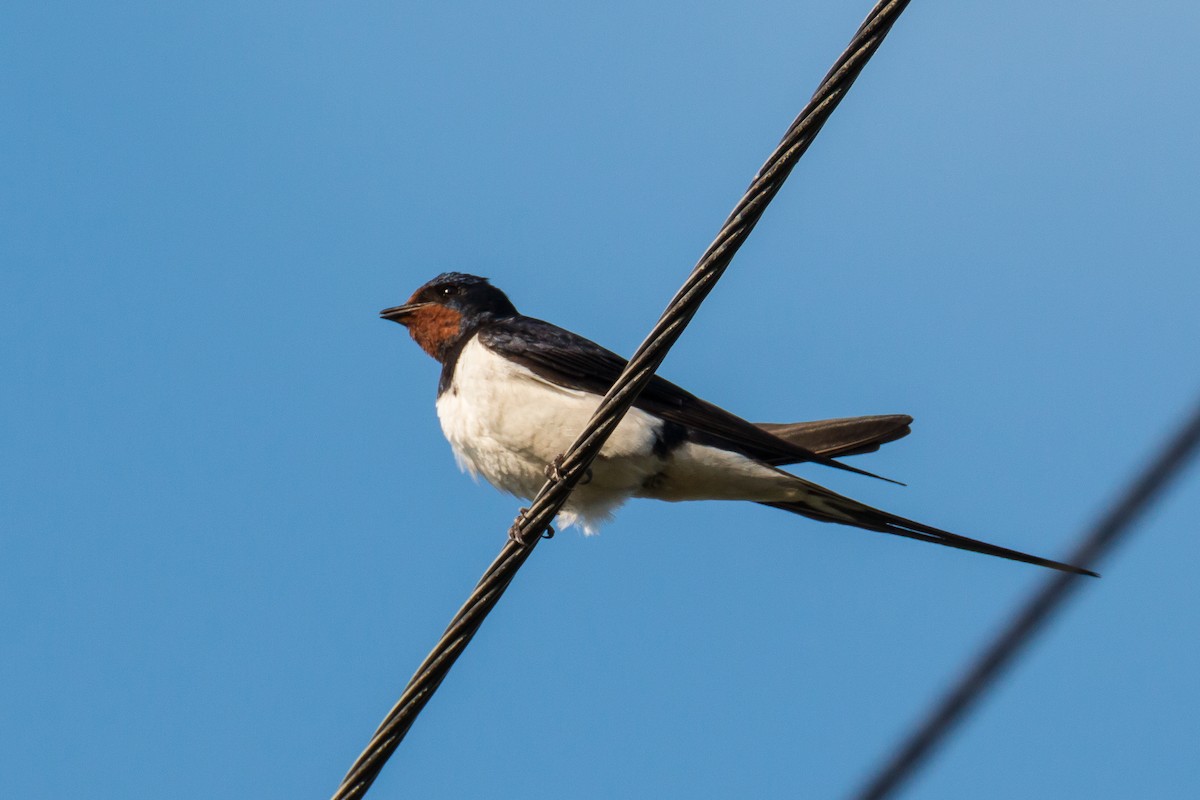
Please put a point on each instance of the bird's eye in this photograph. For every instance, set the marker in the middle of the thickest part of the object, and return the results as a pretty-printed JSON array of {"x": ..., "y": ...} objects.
[{"x": 451, "y": 291}]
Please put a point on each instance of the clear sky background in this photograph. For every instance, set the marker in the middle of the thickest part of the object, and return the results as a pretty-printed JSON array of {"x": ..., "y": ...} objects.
[{"x": 230, "y": 528}]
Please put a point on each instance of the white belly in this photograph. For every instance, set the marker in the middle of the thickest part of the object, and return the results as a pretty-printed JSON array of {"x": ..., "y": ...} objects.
[{"x": 506, "y": 424}]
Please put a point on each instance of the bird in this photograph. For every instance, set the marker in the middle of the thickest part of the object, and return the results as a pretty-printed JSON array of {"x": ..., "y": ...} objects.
[{"x": 515, "y": 391}]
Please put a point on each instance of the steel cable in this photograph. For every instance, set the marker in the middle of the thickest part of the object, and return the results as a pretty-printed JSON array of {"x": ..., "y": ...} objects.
[
  {"x": 532, "y": 523},
  {"x": 1146, "y": 487}
]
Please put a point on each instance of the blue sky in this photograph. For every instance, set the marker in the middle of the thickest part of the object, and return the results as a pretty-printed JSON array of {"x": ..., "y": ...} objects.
[{"x": 230, "y": 528}]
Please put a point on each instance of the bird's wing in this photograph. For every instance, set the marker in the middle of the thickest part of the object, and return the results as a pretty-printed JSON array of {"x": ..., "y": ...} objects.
[
  {"x": 571, "y": 361},
  {"x": 846, "y": 436}
]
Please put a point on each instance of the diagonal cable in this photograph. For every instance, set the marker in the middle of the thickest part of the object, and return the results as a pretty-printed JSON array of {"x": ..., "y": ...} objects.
[
  {"x": 638, "y": 372},
  {"x": 1146, "y": 488}
]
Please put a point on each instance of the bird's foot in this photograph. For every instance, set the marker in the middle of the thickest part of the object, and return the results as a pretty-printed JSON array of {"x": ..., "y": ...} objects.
[
  {"x": 554, "y": 469},
  {"x": 554, "y": 472},
  {"x": 514, "y": 531}
]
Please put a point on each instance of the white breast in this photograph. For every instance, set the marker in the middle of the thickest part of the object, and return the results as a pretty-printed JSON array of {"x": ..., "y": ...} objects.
[{"x": 506, "y": 424}]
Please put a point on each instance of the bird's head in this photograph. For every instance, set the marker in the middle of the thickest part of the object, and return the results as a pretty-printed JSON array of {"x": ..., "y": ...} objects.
[{"x": 448, "y": 307}]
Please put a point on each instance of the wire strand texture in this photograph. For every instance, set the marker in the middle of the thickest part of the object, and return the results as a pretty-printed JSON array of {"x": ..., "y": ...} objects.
[
  {"x": 1146, "y": 487},
  {"x": 641, "y": 367}
]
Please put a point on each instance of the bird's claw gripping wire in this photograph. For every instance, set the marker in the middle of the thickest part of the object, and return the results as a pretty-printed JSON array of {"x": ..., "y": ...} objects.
[
  {"x": 514, "y": 532},
  {"x": 554, "y": 469},
  {"x": 554, "y": 472}
]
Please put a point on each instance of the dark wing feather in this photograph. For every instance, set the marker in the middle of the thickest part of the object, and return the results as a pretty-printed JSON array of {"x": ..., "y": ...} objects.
[
  {"x": 571, "y": 361},
  {"x": 846, "y": 436}
]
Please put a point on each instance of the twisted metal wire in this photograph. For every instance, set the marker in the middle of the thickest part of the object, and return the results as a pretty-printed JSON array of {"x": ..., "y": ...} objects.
[
  {"x": 1141, "y": 494},
  {"x": 641, "y": 367}
]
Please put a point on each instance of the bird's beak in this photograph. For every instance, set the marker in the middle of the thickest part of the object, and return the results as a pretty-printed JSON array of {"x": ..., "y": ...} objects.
[{"x": 402, "y": 313}]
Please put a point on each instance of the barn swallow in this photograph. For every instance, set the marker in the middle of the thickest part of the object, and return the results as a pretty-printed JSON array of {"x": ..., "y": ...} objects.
[{"x": 515, "y": 391}]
